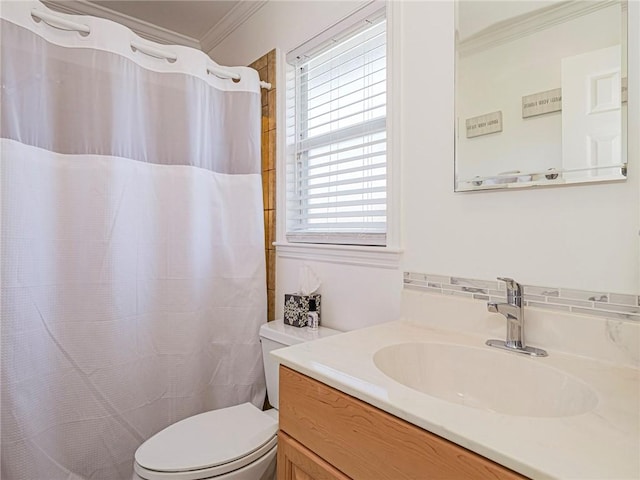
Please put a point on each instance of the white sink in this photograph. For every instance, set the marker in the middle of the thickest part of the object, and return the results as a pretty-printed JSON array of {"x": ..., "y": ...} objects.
[{"x": 486, "y": 379}]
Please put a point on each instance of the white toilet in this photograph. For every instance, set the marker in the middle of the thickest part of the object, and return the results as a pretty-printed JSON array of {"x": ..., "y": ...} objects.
[{"x": 234, "y": 443}]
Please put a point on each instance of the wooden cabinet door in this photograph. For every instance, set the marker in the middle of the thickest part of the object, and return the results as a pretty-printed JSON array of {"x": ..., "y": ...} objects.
[{"x": 296, "y": 462}]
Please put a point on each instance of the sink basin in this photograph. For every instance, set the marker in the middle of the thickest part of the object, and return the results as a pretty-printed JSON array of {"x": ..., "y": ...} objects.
[{"x": 490, "y": 380}]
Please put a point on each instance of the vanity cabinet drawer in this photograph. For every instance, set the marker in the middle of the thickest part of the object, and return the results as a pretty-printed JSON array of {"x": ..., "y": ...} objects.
[
  {"x": 366, "y": 443},
  {"x": 295, "y": 462}
]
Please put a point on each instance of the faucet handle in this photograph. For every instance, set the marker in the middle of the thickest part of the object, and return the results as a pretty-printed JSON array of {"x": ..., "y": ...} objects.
[{"x": 512, "y": 285}]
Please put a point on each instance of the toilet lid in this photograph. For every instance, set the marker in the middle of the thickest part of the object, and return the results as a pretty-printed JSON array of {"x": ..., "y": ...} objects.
[{"x": 208, "y": 439}]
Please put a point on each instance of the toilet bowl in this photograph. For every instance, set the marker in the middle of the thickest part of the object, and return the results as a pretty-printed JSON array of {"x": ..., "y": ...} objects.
[{"x": 233, "y": 443}]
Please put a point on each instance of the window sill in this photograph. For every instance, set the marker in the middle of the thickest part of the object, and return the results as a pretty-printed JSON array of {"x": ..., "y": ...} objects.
[{"x": 379, "y": 257}]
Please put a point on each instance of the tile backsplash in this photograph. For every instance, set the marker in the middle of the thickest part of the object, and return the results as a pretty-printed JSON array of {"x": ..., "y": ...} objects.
[{"x": 602, "y": 304}]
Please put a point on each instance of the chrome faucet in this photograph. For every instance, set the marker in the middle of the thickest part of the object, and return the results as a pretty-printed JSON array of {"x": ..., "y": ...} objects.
[{"x": 514, "y": 312}]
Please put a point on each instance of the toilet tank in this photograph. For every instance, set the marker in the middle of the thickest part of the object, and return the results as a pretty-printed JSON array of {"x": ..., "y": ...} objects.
[{"x": 276, "y": 334}]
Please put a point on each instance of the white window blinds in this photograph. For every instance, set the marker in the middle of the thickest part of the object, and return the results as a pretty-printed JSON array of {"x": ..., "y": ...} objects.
[{"x": 336, "y": 182}]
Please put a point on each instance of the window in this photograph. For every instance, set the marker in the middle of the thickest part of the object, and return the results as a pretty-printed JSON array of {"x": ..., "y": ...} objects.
[{"x": 337, "y": 140}]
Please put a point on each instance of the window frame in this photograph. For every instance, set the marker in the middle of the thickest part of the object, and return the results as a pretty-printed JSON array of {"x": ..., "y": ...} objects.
[
  {"x": 388, "y": 256},
  {"x": 297, "y": 166}
]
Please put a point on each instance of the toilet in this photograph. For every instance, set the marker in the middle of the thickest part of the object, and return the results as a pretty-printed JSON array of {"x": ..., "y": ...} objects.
[{"x": 233, "y": 443}]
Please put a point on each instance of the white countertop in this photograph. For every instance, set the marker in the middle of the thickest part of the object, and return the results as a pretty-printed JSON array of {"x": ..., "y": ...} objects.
[{"x": 601, "y": 444}]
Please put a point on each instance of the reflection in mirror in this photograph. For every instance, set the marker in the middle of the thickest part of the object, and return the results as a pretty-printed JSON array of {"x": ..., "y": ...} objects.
[{"x": 540, "y": 93}]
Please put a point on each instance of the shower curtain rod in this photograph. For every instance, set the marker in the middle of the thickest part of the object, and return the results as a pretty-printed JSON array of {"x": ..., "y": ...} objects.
[
  {"x": 222, "y": 73},
  {"x": 59, "y": 22}
]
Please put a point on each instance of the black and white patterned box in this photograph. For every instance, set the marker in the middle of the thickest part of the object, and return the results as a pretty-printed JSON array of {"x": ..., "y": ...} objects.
[{"x": 296, "y": 308}]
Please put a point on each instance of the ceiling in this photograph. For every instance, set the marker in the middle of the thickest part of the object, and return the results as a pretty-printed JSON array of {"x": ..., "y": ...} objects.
[
  {"x": 195, "y": 23},
  {"x": 187, "y": 17}
]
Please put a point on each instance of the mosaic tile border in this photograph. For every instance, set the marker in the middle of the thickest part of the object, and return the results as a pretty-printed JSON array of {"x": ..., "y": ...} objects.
[{"x": 602, "y": 304}]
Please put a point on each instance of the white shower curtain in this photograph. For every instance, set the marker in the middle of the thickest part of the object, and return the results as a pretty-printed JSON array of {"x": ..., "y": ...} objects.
[{"x": 132, "y": 270}]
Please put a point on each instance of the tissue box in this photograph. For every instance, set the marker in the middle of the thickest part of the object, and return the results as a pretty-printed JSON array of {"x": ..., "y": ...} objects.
[{"x": 296, "y": 308}]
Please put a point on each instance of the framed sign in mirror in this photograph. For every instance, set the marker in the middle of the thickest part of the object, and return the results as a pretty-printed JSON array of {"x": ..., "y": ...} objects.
[{"x": 540, "y": 93}]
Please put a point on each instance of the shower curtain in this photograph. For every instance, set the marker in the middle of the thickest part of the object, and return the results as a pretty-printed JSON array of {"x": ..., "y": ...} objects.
[{"x": 132, "y": 269}]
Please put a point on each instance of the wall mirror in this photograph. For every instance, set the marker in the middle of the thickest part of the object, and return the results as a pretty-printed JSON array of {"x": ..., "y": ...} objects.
[{"x": 540, "y": 93}]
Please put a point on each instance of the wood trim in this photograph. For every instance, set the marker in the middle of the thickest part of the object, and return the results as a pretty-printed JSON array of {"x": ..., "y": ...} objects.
[
  {"x": 379, "y": 257},
  {"x": 365, "y": 442},
  {"x": 296, "y": 462},
  {"x": 238, "y": 15}
]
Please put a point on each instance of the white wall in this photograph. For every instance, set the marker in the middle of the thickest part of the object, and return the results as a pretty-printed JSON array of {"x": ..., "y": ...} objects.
[
  {"x": 352, "y": 296},
  {"x": 583, "y": 236}
]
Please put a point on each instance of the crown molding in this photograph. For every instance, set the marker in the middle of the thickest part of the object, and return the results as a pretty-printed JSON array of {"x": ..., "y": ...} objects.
[
  {"x": 529, "y": 23},
  {"x": 144, "y": 29},
  {"x": 232, "y": 20}
]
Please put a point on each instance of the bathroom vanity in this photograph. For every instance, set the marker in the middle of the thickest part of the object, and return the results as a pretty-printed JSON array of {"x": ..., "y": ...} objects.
[
  {"x": 424, "y": 397},
  {"x": 326, "y": 434}
]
